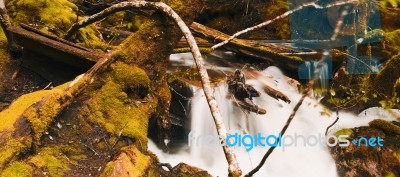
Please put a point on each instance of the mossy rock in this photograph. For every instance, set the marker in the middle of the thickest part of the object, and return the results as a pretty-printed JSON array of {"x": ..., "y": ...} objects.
[
  {"x": 130, "y": 163},
  {"x": 17, "y": 169},
  {"x": 54, "y": 17},
  {"x": 346, "y": 131},
  {"x": 386, "y": 79},
  {"x": 386, "y": 126},
  {"x": 51, "y": 160},
  {"x": 20, "y": 121},
  {"x": 131, "y": 78},
  {"x": 122, "y": 104}
]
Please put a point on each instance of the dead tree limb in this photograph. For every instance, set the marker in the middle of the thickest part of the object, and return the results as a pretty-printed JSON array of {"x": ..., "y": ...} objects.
[
  {"x": 268, "y": 52},
  {"x": 276, "y": 93},
  {"x": 286, "y": 14},
  {"x": 233, "y": 168}
]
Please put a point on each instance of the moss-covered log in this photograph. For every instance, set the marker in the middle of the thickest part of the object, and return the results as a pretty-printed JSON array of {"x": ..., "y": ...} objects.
[{"x": 269, "y": 52}]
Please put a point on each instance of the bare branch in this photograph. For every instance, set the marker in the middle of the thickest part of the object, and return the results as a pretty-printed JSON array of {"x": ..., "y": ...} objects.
[
  {"x": 310, "y": 4},
  {"x": 337, "y": 119},
  {"x": 233, "y": 166},
  {"x": 309, "y": 87}
]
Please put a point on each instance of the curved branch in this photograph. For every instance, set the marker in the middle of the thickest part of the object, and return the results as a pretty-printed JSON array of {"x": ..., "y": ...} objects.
[
  {"x": 310, "y": 4},
  {"x": 233, "y": 166}
]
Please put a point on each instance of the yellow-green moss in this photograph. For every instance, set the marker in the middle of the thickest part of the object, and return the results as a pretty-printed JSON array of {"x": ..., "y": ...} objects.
[
  {"x": 9, "y": 116},
  {"x": 346, "y": 131},
  {"x": 17, "y": 169},
  {"x": 115, "y": 105},
  {"x": 390, "y": 174},
  {"x": 54, "y": 13},
  {"x": 129, "y": 76},
  {"x": 392, "y": 39},
  {"x": 41, "y": 119},
  {"x": 88, "y": 37},
  {"x": 141, "y": 162},
  {"x": 131, "y": 161},
  {"x": 52, "y": 160},
  {"x": 39, "y": 122},
  {"x": 54, "y": 17},
  {"x": 282, "y": 27},
  {"x": 108, "y": 169},
  {"x": 386, "y": 126},
  {"x": 12, "y": 148}
]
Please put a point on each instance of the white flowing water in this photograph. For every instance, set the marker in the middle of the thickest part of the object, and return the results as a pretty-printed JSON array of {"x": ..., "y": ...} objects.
[{"x": 296, "y": 161}]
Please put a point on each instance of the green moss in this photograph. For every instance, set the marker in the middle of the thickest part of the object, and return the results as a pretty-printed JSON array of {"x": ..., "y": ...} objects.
[
  {"x": 131, "y": 161},
  {"x": 141, "y": 162},
  {"x": 12, "y": 148},
  {"x": 58, "y": 14},
  {"x": 117, "y": 106},
  {"x": 390, "y": 174},
  {"x": 41, "y": 119},
  {"x": 203, "y": 50},
  {"x": 88, "y": 37},
  {"x": 386, "y": 126},
  {"x": 9, "y": 116},
  {"x": 392, "y": 39},
  {"x": 52, "y": 160},
  {"x": 54, "y": 17},
  {"x": 346, "y": 131},
  {"x": 130, "y": 76},
  {"x": 17, "y": 169},
  {"x": 108, "y": 169}
]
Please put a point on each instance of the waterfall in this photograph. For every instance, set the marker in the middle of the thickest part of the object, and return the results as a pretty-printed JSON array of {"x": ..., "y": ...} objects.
[
  {"x": 289, "y": 161},
  {"x": 307, "y": 69}
]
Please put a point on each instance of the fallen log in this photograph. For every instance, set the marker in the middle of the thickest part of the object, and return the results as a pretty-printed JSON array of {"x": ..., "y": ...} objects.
[
  {"x": 52, "y": 47},
  {"x": 271, "y": 52}
]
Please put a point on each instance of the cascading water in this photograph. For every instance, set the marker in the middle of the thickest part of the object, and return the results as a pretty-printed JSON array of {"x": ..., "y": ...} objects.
[
  {"x": 294, "y": 161},
  {"x": 306, "y": 71}
]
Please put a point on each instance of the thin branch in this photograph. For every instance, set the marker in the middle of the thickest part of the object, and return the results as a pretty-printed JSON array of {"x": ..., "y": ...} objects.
[
  {"x": 337, "y": 119},
  {"x": 309, "y": 87},
  {"x": 310, "y": 4},
  {"x": 233, "y": 166}
]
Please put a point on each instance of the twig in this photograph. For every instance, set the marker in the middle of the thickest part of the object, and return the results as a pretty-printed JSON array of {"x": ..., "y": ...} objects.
[
  {"x": 337, "y": 118},
  {"x": 47, "y": 86},
  {"x": 233, "y": 166},
  {"x": 313, "y": 4},
  {"x": 119, "y": 136},
  {"x": 167, "y": 165}
]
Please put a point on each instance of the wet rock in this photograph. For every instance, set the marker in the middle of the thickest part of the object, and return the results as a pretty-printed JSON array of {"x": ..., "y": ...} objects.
[
  {"x": 186, "y": 169},
  {"x": 370, "y": 160},
  {"x": 130, "y": 163}
]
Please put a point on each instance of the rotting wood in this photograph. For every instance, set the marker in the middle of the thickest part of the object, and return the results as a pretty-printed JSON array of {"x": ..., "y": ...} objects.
[
  {"x": 266, "y": 51},
  {"x": 275, "y": 93},
  {"x": 53, "y": 47}
]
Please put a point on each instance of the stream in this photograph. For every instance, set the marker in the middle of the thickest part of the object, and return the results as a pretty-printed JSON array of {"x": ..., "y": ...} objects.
[{"x": 311, "y": 120}]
